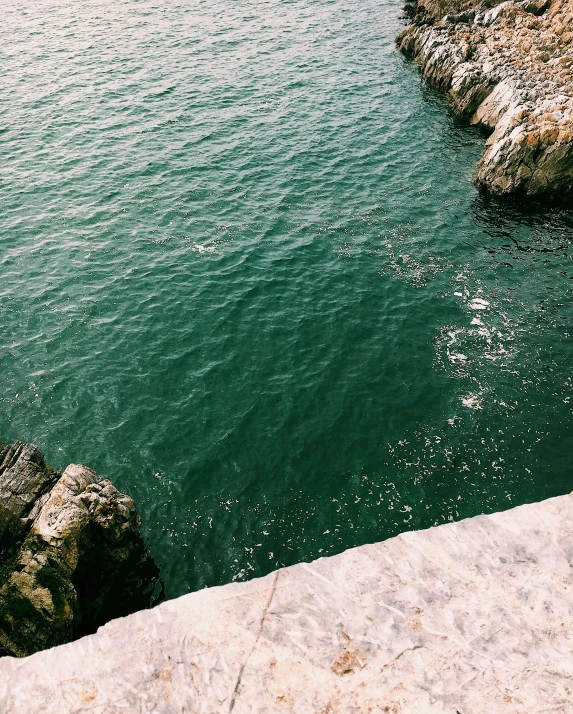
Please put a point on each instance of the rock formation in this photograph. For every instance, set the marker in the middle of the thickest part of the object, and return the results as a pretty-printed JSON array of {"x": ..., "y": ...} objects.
[
  {"x": 66, "y": 539},
  {"x": 508, "y": 67}
]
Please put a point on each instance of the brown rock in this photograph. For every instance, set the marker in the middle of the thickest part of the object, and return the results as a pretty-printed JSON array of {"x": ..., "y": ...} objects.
[
  {"x": 514, "y": 81},
  {"x": 68, "y": 540}
]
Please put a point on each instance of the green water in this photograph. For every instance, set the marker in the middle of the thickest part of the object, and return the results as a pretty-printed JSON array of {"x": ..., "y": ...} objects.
[{"x": 240, "y": 253}]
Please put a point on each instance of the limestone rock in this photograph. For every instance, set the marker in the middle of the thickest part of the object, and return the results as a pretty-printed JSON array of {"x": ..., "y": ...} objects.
[
  {"x": 24, "y": 480},
  {"x": 508, "y": 67},
  {"x": 474, "y": 617},
  {"x": 67, "y": 539}
]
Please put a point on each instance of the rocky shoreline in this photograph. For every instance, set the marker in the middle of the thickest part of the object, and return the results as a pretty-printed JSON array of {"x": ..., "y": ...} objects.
[
  {"x": 69, "y": 544},
  {"x": 507, "y": 66}
]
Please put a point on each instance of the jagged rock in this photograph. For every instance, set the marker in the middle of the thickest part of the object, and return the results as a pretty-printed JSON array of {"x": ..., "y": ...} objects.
[
  {"x": 508, "y": 67},
  {"x": 67, "y": 539}
]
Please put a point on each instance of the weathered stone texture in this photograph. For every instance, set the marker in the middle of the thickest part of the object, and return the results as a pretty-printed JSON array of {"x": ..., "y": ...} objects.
[
  {"x": 506, "y": 66},
  {"x": 66, "y": 538},
  {"x": 467, "y": 618}
]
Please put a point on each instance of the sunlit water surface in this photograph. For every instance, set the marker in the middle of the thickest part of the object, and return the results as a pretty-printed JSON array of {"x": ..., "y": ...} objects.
[{"x": 244, "y": 272}]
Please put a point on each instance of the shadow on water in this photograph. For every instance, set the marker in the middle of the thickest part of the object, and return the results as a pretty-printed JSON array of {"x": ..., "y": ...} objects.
[
  {"x": 140, "y": 588},
  {"x": 522, "y": 229},
  {"x": 497, "y": 215}
]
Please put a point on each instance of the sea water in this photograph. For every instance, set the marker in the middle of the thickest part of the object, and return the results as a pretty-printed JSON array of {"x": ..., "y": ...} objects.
[{"x": 245, "y": 274}]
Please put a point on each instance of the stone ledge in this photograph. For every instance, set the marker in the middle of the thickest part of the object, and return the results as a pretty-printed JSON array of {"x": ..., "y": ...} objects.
[{"x": 468, "y": 617}]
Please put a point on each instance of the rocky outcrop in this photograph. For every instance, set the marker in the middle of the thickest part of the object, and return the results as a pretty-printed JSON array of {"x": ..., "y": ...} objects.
[
  {"x": 66, "y": 541},
  {"x": 507, "y": 66}
]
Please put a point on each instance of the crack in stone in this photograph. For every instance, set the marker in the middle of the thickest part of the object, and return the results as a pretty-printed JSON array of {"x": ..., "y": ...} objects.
[
  {"x": 260, "y": 632},
  {"x": 408, "y": 649}
]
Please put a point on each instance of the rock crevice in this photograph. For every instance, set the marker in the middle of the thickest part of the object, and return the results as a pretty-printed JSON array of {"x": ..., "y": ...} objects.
[{"x": 506, "y": 66}]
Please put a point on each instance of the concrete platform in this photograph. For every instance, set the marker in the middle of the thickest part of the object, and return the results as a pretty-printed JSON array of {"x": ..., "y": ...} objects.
[{"x": 473, "y": 617}]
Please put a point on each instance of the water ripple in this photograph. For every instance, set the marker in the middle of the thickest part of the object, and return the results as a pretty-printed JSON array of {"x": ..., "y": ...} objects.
[{"x": 245, "y": 274}]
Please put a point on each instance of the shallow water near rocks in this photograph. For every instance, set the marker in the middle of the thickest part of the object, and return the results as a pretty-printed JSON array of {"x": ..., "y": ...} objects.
[{"x": 244, "y": 273}]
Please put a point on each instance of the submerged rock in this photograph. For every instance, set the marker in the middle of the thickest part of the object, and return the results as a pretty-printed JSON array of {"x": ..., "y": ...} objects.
[
  {"x": 508, "y": 67},
  {"x": 67, "y": 543}
]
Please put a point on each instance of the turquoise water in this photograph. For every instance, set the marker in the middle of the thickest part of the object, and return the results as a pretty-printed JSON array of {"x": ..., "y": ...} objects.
[{"x": 244, "y": 272}]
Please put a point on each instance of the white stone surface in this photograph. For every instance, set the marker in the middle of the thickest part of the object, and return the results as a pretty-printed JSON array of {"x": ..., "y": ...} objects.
[{"x": 474, "y": 617}]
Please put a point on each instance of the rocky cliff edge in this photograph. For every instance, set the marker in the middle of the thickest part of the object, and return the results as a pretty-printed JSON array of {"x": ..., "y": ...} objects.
[
  {"x": 66, "y": 541},
  {"x": 508, "y": 67}
]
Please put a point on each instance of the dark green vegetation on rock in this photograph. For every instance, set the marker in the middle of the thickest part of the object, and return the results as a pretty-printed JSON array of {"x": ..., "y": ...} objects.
[{"x": 68, "y": 541}]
